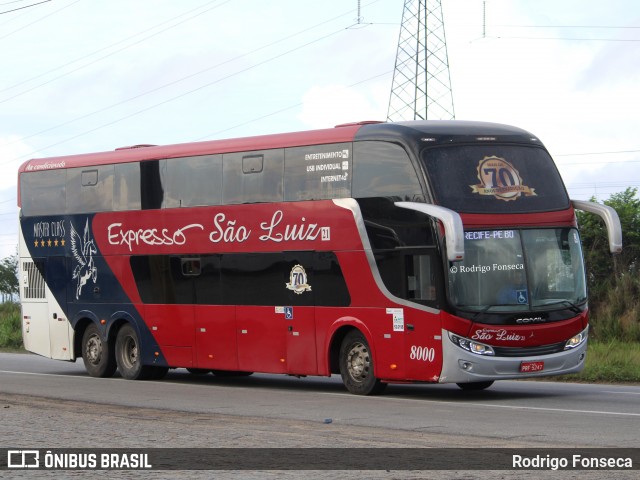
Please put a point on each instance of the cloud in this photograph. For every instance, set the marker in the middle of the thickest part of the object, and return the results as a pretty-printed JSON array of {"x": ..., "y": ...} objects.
[
  {"x": 617, "y": 63},
  {"x": 13, "y": 153},
  {"x": 330, "y": 105}
]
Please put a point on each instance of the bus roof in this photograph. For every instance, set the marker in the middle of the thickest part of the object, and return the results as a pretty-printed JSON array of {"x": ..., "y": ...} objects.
[
  {"x": 432, "y": 131},
  {"x": 135, "y": 154}
]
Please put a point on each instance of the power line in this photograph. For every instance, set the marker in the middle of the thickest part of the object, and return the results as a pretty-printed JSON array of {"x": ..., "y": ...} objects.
[
  {"x": 105, "y": 56},
  {"x": 567, "y": 26},
  {"x": 598, "y": 163},
  {"x": 288, "y": 37},
  {"x": 27, "y": 6},
  {"x": 282, "y": 110},
  {"x": 595, "y": 153},
  {"x": 161, "y": 87},
  {"x": 564, "y": 39},
  {"x": 39, "y": 20},
  {"x": 180, "y": 95},
  {"x": 593, "y": 27},
  {"x": 14, "y": 1}
]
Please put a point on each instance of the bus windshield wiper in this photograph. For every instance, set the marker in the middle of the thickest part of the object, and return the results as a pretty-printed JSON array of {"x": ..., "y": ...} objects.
[{"x": 572, "y": 306}]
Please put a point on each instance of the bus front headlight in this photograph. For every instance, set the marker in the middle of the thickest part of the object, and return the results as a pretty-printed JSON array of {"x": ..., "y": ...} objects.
[
  {"x": 471, "y": 345},
  {"x": 577, "y": 340}
]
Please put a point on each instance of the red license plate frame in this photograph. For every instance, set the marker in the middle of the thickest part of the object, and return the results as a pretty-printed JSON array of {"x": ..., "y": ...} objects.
[{"x": 530, "y": 367}]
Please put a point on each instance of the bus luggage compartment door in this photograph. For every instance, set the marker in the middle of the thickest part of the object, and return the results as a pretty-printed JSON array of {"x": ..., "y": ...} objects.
[{"x": 261, "y": 339}]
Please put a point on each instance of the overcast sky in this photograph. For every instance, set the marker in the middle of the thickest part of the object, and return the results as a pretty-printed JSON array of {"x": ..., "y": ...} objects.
[{"x": 91, "y": 75}]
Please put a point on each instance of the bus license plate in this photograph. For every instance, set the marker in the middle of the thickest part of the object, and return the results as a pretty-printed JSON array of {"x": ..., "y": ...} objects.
[{"x": 531, "y": 366}]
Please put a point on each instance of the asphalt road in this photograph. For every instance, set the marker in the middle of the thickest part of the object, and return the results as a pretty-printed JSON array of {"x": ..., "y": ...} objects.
[{"x": 52, "y": 404}]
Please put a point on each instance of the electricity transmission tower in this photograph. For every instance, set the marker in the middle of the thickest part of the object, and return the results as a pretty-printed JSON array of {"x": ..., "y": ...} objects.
[{"x": 421, "y": 86}]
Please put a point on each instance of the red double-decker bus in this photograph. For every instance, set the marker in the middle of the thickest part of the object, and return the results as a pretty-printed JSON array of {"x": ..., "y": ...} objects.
[{"x": 441, "y": 252}]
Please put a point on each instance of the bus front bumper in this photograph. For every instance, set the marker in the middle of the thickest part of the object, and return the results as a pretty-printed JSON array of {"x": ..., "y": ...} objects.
[{"x": 462, "y": 366}]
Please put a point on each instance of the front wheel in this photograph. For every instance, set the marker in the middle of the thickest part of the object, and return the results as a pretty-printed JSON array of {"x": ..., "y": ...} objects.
[
  {"x": 475, "y": 386},
  {"x": 97, "y": 355},
  {"x": 128, "y": 355},
  {"x": 356, "y": 366}
]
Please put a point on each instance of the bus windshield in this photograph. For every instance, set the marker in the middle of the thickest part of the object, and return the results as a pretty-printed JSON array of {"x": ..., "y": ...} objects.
[
  {"x": 519, "y": 270},
  {"x": 494, "y": 179}
]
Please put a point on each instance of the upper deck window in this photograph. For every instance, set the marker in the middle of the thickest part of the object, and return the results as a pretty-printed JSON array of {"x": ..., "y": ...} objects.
[
  {"x": 318, "y": 172},
  {"x": 253, "y": 176},
  {"x": 192, "y": 181},
  {"x": 44, "y": 192},
  {"x": 383, "y": 169},
  {"x": 494, "y": 179},
  {"x": 90, "y": 189}
]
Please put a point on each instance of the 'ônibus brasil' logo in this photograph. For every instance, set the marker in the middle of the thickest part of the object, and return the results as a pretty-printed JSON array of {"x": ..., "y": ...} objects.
[
  {"x": 500, "y": 179},
  {"x": 298, "y": 280}
]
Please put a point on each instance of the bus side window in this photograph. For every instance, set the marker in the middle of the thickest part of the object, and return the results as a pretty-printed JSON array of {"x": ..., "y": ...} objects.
[
  {"x": 193, "y": 181},
  {"x": 318, "y": 172},
  {"x": 421, "y": 282},
  {"x": 251, "y": 177},
  {"x": 329, "y": 284},
  {"x": 126, "y": 187},
  {"x": 90, "y": 189},
  {"x": 383, "y": 169},
  {"x": 44, "y": 192},
  {"x": 410, "y": 275}
]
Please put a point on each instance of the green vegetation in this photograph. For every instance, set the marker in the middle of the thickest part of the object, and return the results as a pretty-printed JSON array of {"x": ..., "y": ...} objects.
[
  {"x": 614, "y": 283},
  {"x": 615, "y": 310},
  {"x": 609, "y": 362},
  {"x": 10, "y": 326},
  {"x": 614, "y": 294},
  {"x": 9, "y": 278}
]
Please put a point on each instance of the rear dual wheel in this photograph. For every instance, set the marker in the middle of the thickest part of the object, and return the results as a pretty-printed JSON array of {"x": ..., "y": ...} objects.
[
  {"x": 129, "y": 357},
  {"x": 101, "y": 359},
  {"x": 97, "y": 354}
]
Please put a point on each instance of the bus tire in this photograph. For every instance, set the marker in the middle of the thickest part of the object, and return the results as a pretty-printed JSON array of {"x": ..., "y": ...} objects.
[
  {"x": 98, "y": 357},
  {"x": 356, "y": 366},
  {"x": 128, "y": 355},
  {"x": 475, "y": 386}
]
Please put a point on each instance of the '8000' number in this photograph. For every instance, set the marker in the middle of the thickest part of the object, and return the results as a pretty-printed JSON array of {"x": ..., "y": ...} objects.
[{"x": 423, "y": 354}]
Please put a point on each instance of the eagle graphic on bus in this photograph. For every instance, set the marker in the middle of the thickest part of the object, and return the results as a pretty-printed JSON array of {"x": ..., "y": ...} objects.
[{"x": 83, "y": 250}]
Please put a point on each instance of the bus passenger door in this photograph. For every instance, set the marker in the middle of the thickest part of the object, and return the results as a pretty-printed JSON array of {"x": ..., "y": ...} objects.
[
  {"x": 423, "y": 346},
  {"x": 301, "y": 358},
  {"x": 423, "y": 339}
]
